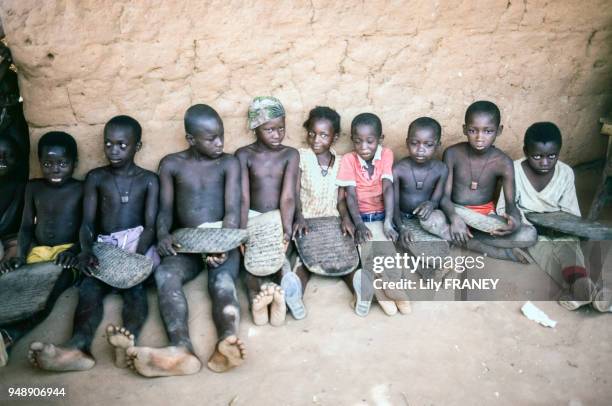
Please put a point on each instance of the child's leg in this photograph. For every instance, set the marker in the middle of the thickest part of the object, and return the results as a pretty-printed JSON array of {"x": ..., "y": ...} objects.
[
  {"x": 134, "y": 314},
  {"x": 222, "y": 290},
  {"x": 253, "y": 285},
  {"x": 360, "y": 283},
  {"x": 170, "y": 275},
  {"x": 523, "y": 237},
  {"x": 298, "y": 268},
  {"x": 509, "y": 248},
  {"x": 179, "y": 357},
  {"x": 563, "y": 260},
  {"x": 506, "y": 254},
  {"x": 496, "y": 247},
  {"x": 135, "y": 308},
  {"x": 348, "y": 280},
  {"x": 75, "y": 355},
  {"x": 261, "y": 295},
  {"x": 229, "y": 351},
  {"x": 436, "y": 224},
  {"x": 88, "y": 314},
  {"x": 304, "y": 276},
  {"x": 387, "y": 299},
  {"x": 15, "y": 331},
  {"x": 291, "y": 284}
]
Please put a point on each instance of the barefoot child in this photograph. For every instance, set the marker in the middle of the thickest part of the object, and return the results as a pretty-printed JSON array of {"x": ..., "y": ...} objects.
[
  {"x": 189, "y": 199},
  {"x": 366, "y": 175},
  {"x": 545, "y": 184},
  {"x": 474, "y": 168},
  {"x": 12, "y": 189},
  {"x": 419, "y": 179},
  {"x": 49, "y": 231},
  {"x": 119, "y": 207},
  {"x": 269, "y": 173},
  {"x": 316, "y": 189}
]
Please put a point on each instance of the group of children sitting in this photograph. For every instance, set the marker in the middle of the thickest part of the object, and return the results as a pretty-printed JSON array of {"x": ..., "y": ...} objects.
[{"x": 136, "y": 210}]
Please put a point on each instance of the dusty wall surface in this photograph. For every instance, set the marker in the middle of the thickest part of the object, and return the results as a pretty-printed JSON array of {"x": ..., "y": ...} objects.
[{"x": 81, "y": 62}]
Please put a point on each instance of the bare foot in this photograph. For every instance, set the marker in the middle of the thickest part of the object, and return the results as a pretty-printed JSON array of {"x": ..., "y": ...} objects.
[
  {"x": 261, "y": 301},
  {"x": 386, "y": 302},
  {"x": 229, "y": 353},
  {"x": 121, "y": 339},
  {"x": 278, "y": 309},
  {"x": 167, "y": 361},
  {"x": 403, "y": 306},
  {"x": 52, "y": 358},
  {"x": 3, "y": 353},
  {"x": 388, "y": 307}
]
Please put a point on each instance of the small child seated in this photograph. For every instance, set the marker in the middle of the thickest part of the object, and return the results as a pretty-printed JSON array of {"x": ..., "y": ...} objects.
[
  {"x": 269, "y": 173},
  {"x": 12, "y": 190},
  {"x": 119, "y": 207},
  {"x": 366, "y": 175},
  {"x": 49, "y": 231},
  {"x": 316, "y": 189},
  {"x": 474, "y": 169},
  {"x": 545, "y": 184},
  {"x": 419, "y": 179}
]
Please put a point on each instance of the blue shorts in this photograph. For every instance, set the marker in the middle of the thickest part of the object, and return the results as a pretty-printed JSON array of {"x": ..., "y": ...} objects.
[{"x": 376, "y": 216}]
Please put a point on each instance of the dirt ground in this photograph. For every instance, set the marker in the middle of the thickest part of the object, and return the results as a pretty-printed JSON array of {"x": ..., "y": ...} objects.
[{"x": 444, "y": 353}]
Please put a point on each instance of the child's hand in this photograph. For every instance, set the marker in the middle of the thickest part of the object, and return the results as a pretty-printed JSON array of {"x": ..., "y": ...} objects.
[
  {"x": 67, "y": 259},
  {"x": 508, "y": 228},
  {"x": 11, "y": 264},
  {"x": 88, "y": 263},
  {"x": 300, "y": 228},
  {"x": 460, "y": 233},
  {"x": 389, "y": 231},
  {"x": 406, "y": 237},
  {"x": 363, "y": 233},
  {"x": 215, "y": 260},
  {"x": 424, "y": 210},
  {"x": 347, "y": 227},
  {"x": 166, "y": 245}
]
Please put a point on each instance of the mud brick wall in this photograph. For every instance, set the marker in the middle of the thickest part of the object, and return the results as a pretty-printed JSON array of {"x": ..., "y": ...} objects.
[{"x": 82, "y": 62}]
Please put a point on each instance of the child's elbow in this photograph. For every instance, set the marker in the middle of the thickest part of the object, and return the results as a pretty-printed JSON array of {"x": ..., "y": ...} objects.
[{"x": 288, "y": 201}]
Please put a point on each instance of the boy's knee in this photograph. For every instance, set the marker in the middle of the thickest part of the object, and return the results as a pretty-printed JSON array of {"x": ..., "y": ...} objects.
[
  {"x": 435, "y": 223},
  {"x": 163, "y": 276},
  {"x": 222, "y": 283},
  {"x": 436, "y": 218},
  {"x": 136, "y": 293},
  {"x": 90, "y": 287},
  {"x": 230, "y": 311},
  {"x": 527, "y": 234}
]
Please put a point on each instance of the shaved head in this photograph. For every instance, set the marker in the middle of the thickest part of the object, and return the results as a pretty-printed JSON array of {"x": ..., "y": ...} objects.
[{"x": 199, "y": 117}]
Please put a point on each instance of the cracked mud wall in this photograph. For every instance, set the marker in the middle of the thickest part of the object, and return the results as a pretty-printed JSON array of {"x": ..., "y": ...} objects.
[{"x": 81, "y": 62}]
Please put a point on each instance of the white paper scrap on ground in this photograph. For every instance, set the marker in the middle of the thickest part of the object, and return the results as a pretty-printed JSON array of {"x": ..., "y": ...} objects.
[{"x": 534, "y": 313}]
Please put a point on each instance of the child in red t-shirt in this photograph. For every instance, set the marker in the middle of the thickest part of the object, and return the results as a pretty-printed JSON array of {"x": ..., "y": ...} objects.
[{"x": 366, "y": 174}]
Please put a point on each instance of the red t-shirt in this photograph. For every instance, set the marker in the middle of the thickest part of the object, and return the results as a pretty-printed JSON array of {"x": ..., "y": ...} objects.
[{"x": 354, "y": 172}]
